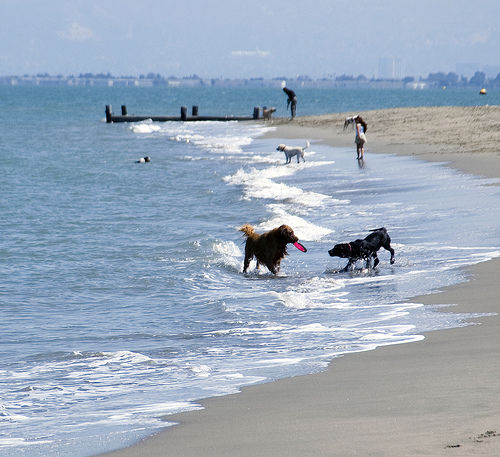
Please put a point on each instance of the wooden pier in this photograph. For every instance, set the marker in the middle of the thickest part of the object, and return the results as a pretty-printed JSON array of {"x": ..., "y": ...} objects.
[{"x": 124, "y": 117}]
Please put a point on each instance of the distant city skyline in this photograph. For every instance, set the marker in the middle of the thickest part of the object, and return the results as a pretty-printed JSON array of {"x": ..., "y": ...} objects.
[
  {"x": 240, "y": 39},
  {"x": 388, "y": 68}
]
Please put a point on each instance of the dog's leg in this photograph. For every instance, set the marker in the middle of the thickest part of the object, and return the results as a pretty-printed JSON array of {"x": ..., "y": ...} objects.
[
  {"x": 272, "y": 268},
  {"x": 388, "y": 248},
  {"x": 392, "y": 256},
  {"x": 349, "y": 266},
  {"x": 386, "y": 244},
  {"x": 376, "y": 260},
  {"x": 246, "y": 262}
]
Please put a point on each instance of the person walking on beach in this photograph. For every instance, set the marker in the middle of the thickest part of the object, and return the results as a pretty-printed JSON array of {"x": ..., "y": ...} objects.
[
  {"x": 360, "y": 140},
  {"x": 292, "y": 99}
]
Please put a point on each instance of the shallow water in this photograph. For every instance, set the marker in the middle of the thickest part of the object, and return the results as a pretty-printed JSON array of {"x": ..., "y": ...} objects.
[{"x": 122, "y": 294}]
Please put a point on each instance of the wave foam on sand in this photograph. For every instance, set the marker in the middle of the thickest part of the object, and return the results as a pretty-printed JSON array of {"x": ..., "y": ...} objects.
[{"x": 429, "y": 398}]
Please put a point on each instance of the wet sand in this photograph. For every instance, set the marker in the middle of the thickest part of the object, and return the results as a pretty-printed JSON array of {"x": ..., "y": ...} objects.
[
  {"x": 467, "y": 137},
  {"x": 436, "y": 397}
]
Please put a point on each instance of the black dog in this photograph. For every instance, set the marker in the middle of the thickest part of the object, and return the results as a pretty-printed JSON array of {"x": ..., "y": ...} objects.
[{"x": 364, "y": 249}]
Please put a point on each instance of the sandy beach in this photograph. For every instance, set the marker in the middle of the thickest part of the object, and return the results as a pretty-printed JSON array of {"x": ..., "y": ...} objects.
[{"x": 436, "y": 397}]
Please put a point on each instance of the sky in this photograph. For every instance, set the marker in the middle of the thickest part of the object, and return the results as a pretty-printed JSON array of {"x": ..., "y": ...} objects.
[{"x": 247, "y": 39}]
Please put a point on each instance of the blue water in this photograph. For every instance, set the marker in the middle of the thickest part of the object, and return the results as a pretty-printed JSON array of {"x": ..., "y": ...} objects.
[{"x": 122, "y": 296}]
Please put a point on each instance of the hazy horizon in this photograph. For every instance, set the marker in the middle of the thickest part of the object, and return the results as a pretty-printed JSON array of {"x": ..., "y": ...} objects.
[{"x": 235, "y": 39}]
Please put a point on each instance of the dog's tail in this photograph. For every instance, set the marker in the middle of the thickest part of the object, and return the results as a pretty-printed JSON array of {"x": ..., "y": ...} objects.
[
  {"x": 307, "y": 144},
  {"x": 247, "y": 229}
]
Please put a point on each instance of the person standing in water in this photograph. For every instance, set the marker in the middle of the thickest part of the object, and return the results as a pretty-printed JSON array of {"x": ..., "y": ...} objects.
[
  {"x": 292, "y": 100},
  {"x": 360, "y": 140}
]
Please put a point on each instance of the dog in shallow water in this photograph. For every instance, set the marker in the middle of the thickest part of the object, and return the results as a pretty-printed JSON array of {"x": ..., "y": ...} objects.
[
  {"x": 291, "y": 151},
  {"x": 364, "y": 249},
  {"x": 268, "y": 248}
]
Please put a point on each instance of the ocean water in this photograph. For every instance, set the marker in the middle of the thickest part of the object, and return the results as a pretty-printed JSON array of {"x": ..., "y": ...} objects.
[{"x": 122, "y": 294}]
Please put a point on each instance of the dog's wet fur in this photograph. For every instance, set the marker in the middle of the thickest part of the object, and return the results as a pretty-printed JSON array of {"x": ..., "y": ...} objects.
[
  {"x": 365, "y": 249},
  {"x": 268, "y": 248}
]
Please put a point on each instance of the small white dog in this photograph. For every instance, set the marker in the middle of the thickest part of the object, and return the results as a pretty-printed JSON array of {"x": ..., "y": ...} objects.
[
  {"x": 350, "y": 121},
  {"x": 291, "y": 151}
]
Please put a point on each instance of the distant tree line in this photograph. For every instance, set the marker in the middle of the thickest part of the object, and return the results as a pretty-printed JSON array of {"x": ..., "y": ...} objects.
[
  {"x": 453, "y": 80},
  {"x": 439, "y": 79}
]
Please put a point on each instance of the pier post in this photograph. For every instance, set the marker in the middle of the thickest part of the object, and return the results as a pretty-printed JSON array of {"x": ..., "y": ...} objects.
[
  {"x": 125, "y": 117},
  {"x": 108, "y": 114}
]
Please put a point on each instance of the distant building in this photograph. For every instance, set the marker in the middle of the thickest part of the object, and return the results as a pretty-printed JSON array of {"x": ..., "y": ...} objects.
[{"x": 389, "y": 68}]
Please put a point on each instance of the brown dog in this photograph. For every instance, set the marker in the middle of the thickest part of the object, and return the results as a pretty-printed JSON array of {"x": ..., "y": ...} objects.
[
  {"x": 268, "y": 248},
  {"x": 267, "y": 113}
]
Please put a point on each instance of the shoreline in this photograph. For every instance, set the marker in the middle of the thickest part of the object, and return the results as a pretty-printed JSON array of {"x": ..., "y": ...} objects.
[
  {"x": 470, "y": 142},
  {"x": 438, "y": 396}
]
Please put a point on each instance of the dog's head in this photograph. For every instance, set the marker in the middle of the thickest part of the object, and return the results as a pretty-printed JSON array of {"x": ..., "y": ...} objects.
[
  {"x": 281, "y": 147},
  {"x": 341, "y": 250},
  {"x": 286, "y": 233}
]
